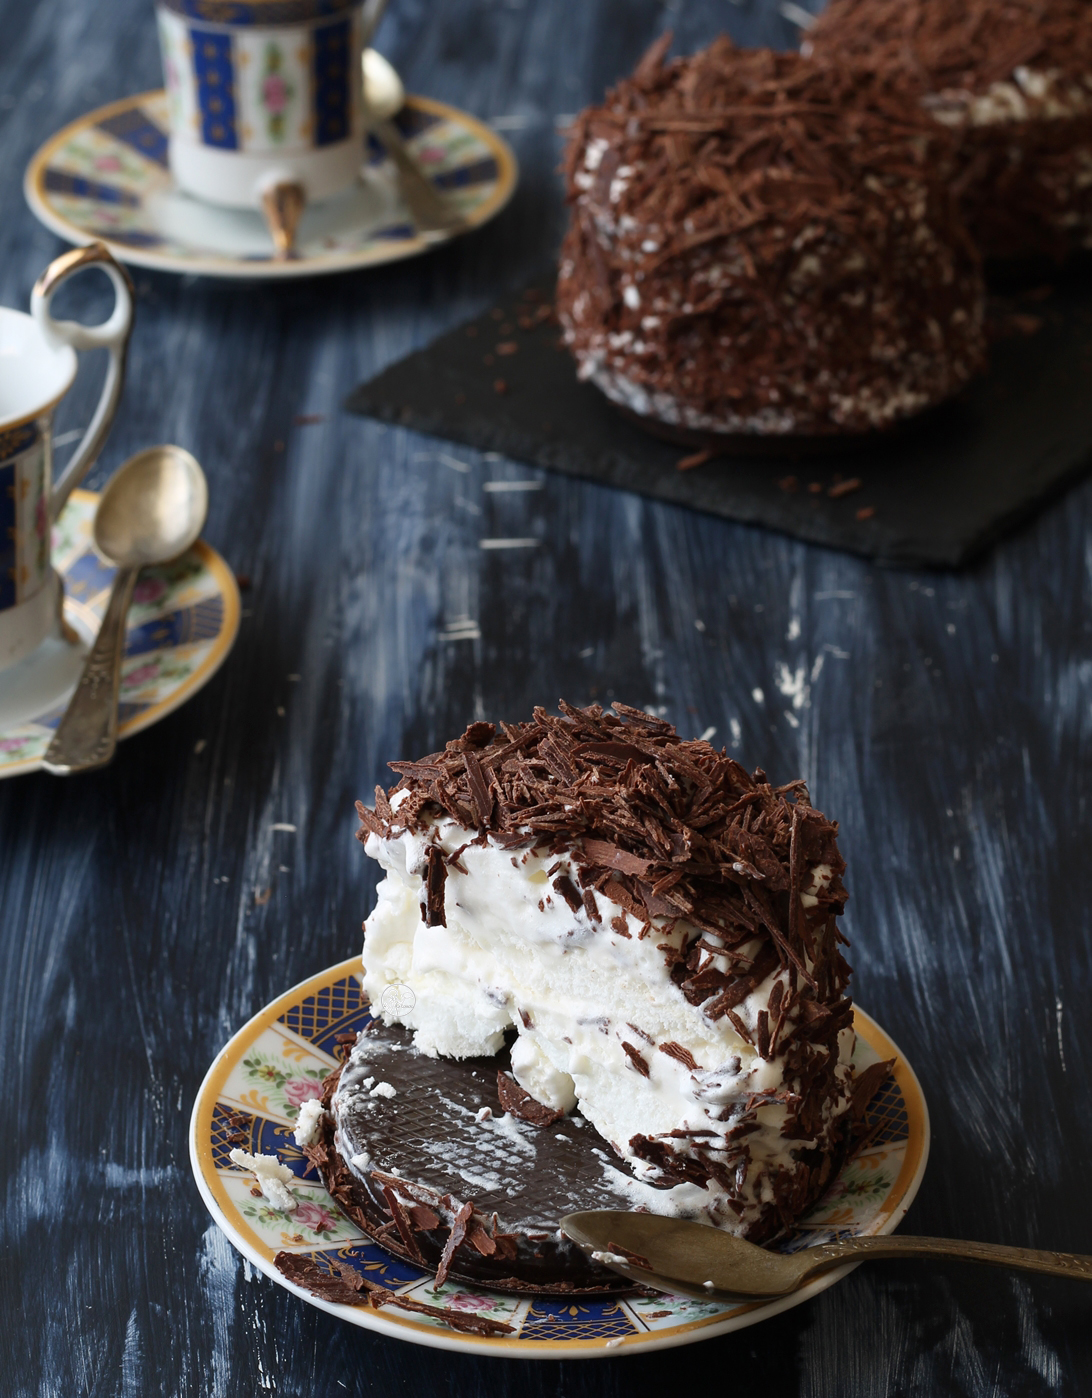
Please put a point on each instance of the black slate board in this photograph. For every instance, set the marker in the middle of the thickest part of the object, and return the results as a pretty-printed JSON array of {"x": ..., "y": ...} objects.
[{"x": 941, "y": 490}]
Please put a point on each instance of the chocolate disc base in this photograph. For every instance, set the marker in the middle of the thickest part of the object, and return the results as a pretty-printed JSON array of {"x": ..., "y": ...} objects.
[{"x": 427, "y": 1141}]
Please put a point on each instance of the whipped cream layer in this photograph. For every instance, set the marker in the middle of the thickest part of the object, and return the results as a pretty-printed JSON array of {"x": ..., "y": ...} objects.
[{"x": 687, "y": 1101}]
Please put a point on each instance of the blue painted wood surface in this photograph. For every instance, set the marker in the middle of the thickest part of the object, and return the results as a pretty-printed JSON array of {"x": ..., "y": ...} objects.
[{"x": 945, "y": 720}]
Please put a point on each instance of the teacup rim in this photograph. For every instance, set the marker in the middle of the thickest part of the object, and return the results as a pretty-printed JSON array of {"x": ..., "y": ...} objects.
[{"x": 62, "y": 352}]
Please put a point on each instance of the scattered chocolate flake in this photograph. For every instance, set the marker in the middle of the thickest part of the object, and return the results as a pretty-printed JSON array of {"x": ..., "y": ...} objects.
[
  {"x": 866, "y": 512},
  {"x": 565, "y": 886},
  {"x": 841, "y": 488},
  {"x": 508, "y": 347},
  {"x": 636, "y": 1058},
  {"x": 347, "y": 1287},
  {"x": 697, "y": 458},
  {"x": 815, "y": 488},
  {"x": 500, "y": 386},
  {"x": 789, "y": 484},
  {"x": 455, "y": 1238},
  {"x": 434, "y": 888},
  {"x": 403, "y": 1223},
  {"x": 305, "y": 1272},
  {"x": 514, "y": 1099},
  {"x": 683, "y": 1055}
]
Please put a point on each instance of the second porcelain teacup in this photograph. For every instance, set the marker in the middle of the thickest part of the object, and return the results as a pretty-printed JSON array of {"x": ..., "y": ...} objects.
[
  {"x": 262, "y": 93},
  {"x": 37, "y": 367}
]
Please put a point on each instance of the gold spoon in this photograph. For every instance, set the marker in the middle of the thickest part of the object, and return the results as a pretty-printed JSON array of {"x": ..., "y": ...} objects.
[{"x": 697, "y": 1259}]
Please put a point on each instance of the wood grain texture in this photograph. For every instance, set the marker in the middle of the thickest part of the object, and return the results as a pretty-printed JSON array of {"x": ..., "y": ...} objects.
[{"x": 946, "y": 720}]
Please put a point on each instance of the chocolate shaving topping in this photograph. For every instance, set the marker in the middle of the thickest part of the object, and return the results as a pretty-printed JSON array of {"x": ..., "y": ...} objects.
[
  {"x": 514, "y": 1099},
  {"x": 434, "y": 888},
  {"x": 759, "y": 243},
  {"x": 1009, "y": 79},
  {"x": 715, "y": 863},
  {"x": 677, "y": 1051},
  {"x": 636, "y": 1059}
]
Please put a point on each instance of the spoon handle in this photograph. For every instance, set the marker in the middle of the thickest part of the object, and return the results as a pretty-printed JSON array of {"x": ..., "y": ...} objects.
[
  {"x": 1056, "y": 1264},
  {"x": 430, "y": 212},
  {"x": 88, "y": 733}
]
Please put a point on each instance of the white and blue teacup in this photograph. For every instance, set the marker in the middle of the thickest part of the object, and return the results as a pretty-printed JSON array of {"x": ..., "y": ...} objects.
[
  {"x": 262, "y": 92},
  {"x": 37, "y": 367}
]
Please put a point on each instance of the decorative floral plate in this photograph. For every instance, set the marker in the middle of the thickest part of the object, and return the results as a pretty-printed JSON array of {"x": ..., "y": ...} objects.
[
  {"x": 182, "y": 623},
  {"x": 252, "y": 1095},
  {"x": 105, "y": 177}
]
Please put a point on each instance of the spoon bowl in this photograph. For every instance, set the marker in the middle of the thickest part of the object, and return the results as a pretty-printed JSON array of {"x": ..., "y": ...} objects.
[{"x": 153, "y": 508}]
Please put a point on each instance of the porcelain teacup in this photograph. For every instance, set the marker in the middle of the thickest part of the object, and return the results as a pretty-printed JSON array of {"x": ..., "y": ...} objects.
[
  {"x": 262, "y": 93},
  {"x": 37, "y": 366}
]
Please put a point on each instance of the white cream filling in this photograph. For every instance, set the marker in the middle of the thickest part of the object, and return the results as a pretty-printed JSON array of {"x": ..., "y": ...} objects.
[
  {"x": 514, "y": 954},
  {"x": 272, "y": 1177}
]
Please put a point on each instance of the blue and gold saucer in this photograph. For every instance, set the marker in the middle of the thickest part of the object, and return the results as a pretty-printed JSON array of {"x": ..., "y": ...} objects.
[
  {"x": 105, "y": 178},
  {"x": 182, "y": 624},
  {"x": 253, "y": 1093}
]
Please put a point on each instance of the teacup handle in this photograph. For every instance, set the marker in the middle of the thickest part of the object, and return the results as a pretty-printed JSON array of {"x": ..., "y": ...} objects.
[{"x": 112, "y": 334}]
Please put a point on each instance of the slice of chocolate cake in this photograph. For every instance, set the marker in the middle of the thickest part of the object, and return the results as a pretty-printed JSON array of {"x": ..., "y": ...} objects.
[
  {"x": 1012, "y": 80},
  {"x": 653, "y": 931},
  {"x": 761, "y": 245}
]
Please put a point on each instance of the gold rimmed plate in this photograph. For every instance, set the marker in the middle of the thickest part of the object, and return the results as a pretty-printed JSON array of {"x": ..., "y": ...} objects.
[
  {"x": 105, "y": 178},
  {"x": 182, "y": 624},
  {"x": 252, "y": 1095}
]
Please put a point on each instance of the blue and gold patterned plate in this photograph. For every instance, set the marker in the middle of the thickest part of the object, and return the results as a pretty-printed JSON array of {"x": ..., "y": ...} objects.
[
  {"x": 182, "y": 624},
  {"x": 253, "y": 1093},
  {"x": 105, "y": 178}
]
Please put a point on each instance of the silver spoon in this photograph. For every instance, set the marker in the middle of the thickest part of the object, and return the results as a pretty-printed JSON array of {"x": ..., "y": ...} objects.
[
  {"x": 152, "y": 510},
  {"x": 700, "y": 1260}
]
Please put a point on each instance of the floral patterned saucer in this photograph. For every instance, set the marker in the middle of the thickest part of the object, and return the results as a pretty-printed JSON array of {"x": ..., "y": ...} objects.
[
  {"x": 105, "y": 177},
  {"x": 253, "y": 1093},
  {"x": 182, "y": 624}
]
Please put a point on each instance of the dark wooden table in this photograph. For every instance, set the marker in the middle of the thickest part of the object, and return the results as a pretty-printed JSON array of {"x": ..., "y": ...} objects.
[{"x": 944, "y": 719}]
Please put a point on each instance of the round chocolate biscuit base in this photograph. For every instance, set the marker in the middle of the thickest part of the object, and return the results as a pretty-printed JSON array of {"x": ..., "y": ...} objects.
[{"x": 425, "y": 1144}]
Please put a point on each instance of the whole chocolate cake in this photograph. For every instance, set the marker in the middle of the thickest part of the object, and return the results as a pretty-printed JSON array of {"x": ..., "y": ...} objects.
[
  {"x": 1012, "y": 80},
  {"x": 759, "y": 244},
  {"x": 642, "y": 937}
]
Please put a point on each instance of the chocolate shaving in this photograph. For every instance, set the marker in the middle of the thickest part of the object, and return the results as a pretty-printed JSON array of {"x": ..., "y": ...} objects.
[
  {"x": 455, "y": 1238},
  {"x": 636, "y": 1058},
  {"x": 346, "y": 1286},
  {"x": 434, "y": 888},
  {"x": 677, "y": 1051},
  {"x": 1021, "y": 169},
  {"x": 403, "y": 1223},
  {"x": 565, "y": 886},
  {"x": 520, "y": 1103}
]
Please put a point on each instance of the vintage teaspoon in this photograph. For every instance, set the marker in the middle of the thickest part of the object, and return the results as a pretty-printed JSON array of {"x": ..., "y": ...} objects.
[
  {"x": 699, "y": 1260},
  {"x": 152, "y": 510}
]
